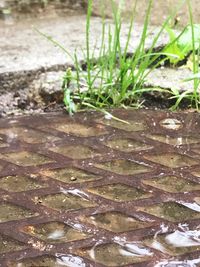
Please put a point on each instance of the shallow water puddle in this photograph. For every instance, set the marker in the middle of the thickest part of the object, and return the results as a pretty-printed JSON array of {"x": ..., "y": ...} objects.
[
  {"x": 116, "y": 222},
  {"x": 78, "y": 129},
  {"x": 25, "y": 158},
  {"x": 91, "y": 191},
  {"x": 173, "y": 184},
  {"x": 130, "y": 125},
  {"x": 75, "y": 152},
  {"x": 175, "y": 244},
  {"x": 171, "y": 124},
  {"x": 116, "y": 192},
  {"x": 127, "y": 145},
  {"x": 124, "y": 167},
  {"x": 10, "y": 212},
  {"x": 175, "y": 141},
  {"x": 1, "y": 167},
  {"x": 18, "y": 183},
  {"x": 69, "y": 175},
  {"x": 7, "y": 244},
  {"x": 45, "y": 261},
  {"x": 171, "y": 211},
  {"x": 64, "y": 202},
  {"x": 3, "y": 144},
  {"x": 54, "y": 232},
  {"x": 112, "y": 254},
  {"x": 27, "y": 135},
  {"x": 172, "y": 160}
]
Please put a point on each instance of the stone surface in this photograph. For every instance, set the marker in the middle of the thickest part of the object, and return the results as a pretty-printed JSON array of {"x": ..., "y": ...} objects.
[
  {"x": 31, "y": 67},
  {"x": 171, "y": 78},
  {"x": 160, "y": 10},
  {"x": 24, "y": 53},
  {"x": 20, "y": 8}
]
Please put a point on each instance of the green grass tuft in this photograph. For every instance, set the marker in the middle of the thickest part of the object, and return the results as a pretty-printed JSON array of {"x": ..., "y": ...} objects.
[{"x": 114, "y": 79}]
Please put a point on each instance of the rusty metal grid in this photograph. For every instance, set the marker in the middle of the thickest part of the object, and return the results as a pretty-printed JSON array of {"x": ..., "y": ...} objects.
[{"x": 116, "y": 159}]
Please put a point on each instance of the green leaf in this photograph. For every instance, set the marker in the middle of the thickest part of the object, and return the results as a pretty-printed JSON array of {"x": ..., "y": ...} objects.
[
  {"x": 185, "y": 42},
  {"x": 69, "y": 103},
  {"x": 171, "y": 33},
  {"x": 176, "y": 53},
  {"x": 182, "y": 45}
]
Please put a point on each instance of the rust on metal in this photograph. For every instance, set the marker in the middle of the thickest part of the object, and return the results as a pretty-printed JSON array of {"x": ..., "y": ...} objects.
[{"x": 90, "y": 191}]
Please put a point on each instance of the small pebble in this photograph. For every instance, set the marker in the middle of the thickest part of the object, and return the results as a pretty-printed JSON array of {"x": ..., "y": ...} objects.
[{"x": 73, "y": 178}]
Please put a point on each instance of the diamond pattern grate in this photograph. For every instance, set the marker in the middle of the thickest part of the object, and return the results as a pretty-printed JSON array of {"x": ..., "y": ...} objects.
[{"x": 88, "y": 191}]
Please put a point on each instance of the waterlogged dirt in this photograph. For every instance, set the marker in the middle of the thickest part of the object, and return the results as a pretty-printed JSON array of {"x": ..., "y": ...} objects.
[{"x": 90, "y": 191}]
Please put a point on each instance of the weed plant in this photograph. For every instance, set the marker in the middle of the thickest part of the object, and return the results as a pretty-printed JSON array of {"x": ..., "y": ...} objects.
[
  {"x": 187, "y": 42},
  {"x": 194, "y": 95},
  {"x": 113, "y": 79}
]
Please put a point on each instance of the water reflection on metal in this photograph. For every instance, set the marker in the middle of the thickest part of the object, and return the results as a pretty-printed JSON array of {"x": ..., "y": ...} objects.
[
  {"x": 176, "y": 243},
  {"x": 118, "y": 253},
  {"x": 171, "y": 124},
  {"x": 184, "y": 239},
  {"x": 70, "y": 261},
  {"x": 87, "y": 191},
  {"x": 174, "y": 263},
  {"x": 59, "y": 260}
]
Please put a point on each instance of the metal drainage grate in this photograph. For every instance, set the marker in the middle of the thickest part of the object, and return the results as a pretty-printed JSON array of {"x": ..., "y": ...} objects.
[{"x": 89, "y": 191}]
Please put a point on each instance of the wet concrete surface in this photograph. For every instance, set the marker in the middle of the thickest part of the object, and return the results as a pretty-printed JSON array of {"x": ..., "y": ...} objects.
[
  {"x": 159, "y": 13},
  {"x": 24, "y": 53},
  {"x": 160, "y": 9},
  {"x": 89, "y": 191},
  {"x": 18, "y": 8},
  {"x": 31, "y": 67}
]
